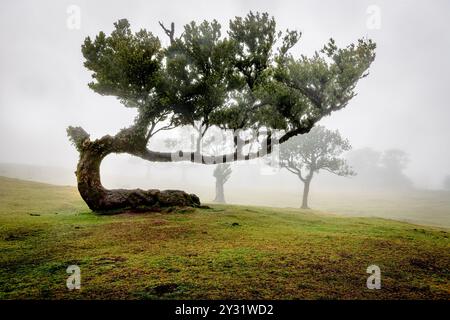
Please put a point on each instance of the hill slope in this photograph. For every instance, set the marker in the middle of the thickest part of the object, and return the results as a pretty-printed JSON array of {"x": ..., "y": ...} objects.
[{"x": 233, "y": 252}]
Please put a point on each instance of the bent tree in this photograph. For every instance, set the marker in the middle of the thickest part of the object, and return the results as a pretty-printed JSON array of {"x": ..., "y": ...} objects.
[
  {"x": 246, "y": 79},
  {"x": 318, "y": 150}
]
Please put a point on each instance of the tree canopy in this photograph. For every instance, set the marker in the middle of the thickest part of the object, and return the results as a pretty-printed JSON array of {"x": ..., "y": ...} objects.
[
  {"x": 320, "y": 149},
  {"x": 245, "y": 79}
]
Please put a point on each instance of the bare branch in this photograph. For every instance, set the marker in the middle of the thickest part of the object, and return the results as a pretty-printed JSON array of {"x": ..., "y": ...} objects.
[{"x": 170, "y": 33}]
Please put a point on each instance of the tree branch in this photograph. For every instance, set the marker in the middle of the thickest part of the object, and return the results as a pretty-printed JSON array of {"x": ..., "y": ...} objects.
[
  {"x": 167, "y": 127},
  {"x": 293, "y": 169},
  {"x": 170, "y": 33},
  {"x": 150, "y": 131},
  {"x": 78, "y": 136},
  {"x": 198, "y": 157}
]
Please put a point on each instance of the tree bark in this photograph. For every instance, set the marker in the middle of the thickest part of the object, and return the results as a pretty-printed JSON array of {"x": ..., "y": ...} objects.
[
  {"x": 220, "y": 195},
  {"x": 102, "y": 200},
  {"x": 305, "y": 194}
]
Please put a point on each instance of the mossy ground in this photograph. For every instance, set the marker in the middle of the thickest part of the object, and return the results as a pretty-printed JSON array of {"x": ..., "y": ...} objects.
[{"x": 225, "y": 252}]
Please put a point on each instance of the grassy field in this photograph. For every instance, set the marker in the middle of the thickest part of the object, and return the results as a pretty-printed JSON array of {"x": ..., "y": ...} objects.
[{"x": 226, "y": 252}]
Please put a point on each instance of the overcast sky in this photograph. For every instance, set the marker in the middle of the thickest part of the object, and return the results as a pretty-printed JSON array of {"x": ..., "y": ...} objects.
[{"x": 402, "y": 104}]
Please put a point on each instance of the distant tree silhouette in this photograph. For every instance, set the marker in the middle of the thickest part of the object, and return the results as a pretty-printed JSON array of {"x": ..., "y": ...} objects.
[
  {"x": 213, "y": 144},
  {"x": 245, "y": 78},
  {"x": 394, "y": 162},
  {"x": 320, "y": 149},
  {"x": 222, "y": 173}
]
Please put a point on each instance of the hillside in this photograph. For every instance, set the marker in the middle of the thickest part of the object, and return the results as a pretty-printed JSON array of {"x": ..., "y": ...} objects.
[{"x": 227, "y": 252}]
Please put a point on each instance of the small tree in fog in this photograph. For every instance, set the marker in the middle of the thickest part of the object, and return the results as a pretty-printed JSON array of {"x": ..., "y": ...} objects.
[
  {"x": 213, "y": 144},
  {"x": 306, "y": 155}
]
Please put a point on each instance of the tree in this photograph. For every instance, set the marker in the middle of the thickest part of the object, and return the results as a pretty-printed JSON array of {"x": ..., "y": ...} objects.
[
  {"x": 245, "y": 80},
  {"x": 318, "y": 150},
  {"x": 222, "y": 173},
  {"x": 393, "y": 162},
  {"x": 213, "y": 143},
  {"x": 380, "y": 170}
]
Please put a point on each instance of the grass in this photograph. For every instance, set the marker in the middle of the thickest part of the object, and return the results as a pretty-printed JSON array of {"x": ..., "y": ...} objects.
[{"x": 225, "y": 252}]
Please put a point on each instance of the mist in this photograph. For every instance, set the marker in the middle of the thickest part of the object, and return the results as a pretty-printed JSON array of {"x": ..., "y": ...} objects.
[{"x": 401, "y": 105}]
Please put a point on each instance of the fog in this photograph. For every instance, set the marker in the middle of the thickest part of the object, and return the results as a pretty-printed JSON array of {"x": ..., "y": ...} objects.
[{"x": 402, "y": 104}]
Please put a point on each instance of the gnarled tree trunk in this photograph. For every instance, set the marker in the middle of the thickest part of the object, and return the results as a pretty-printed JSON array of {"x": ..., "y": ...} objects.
[{"x": 103, "y": 200}]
